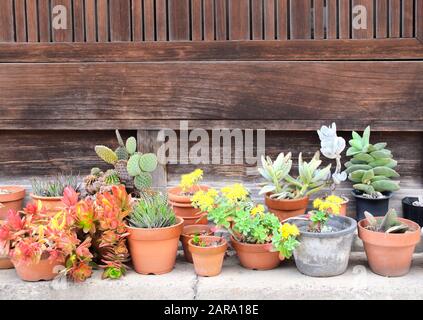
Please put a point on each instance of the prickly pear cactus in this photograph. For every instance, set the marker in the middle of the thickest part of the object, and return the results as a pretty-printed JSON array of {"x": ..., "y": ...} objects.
[
  {"x": 131, "y": 145},
  {"x": 106, "y": 154},
  {"x": 372, "y": 166},
  {"x": 143, "y": 181},
  {"x": 148, "y": 162}
]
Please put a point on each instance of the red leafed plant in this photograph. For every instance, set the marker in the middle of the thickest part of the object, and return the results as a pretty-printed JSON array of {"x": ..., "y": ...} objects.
[{"x": 84, "y": 234}]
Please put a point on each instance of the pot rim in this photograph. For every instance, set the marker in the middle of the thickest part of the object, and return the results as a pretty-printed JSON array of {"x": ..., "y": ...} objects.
[
  {"x": 286, "y": 200},
  {"x": 192, "y": 226},
  {"x": 392, "y": 235},
  {"x": 404, "y": 201},
  {"x": 18, "y": 193},
  {"x": 224, "y": 244},
  {"x": 346, "y": 200},
  {"x": 388, "y": 195},
  {"x": 335, "y": 234},
  {"x": 253, "y": 245},
  {"x": 35, "y": 197},
  {"x": 175, "y": 196},
  {"x": 179, "y": 219}
]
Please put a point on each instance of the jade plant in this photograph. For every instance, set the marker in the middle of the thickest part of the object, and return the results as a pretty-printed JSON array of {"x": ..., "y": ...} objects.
[
  {"x": 133, "y": 168},
  {"x": 388, "y": 224},
  {"x": 371, "y": 167},
  {"x": 281, "y": 185},
  {"x": 54, "y": 186}
]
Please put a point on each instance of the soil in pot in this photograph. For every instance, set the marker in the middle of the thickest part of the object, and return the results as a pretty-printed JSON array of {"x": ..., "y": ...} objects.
[
  {"x": 325, "y": 254},
  {"x": 286, "y": 208},
  {"x": 189, "y": 232},
  {"x": 377, "y": 207},
  {"x": 50, "y": 204},
  {"x": 11, "y": 198},
  {"x": 411, "y": 212},
  {"x": 256, "y": 256},
  {"x": 181, "y": 204},
  {"x": 208, "y": 259},
  {"x": 44, "y": 270},
  {"x": 389, "y": 254},
  {"x": 153, "y": 251}
]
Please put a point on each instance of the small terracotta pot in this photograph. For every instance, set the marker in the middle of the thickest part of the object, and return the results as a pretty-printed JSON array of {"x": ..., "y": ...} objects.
[
  {"x": 256, "y": 256},
  {"x": 189, "y": 232},
  {"x": 344, "y": 206},
  {"x": 181, "y": 204},
  {"x": 208, "y": 261},
  {"x": 286, "y": 208},
  {"x": 200, "y": 219},
  {"x": 5, "y": 262},
  {"x": 153, "y": 251},
  {"x": 44, "y": 270},
  {"x": 389, "y": 254},
  {"x": 50, "y": 204},
  {"x": 11, "y": 201}
]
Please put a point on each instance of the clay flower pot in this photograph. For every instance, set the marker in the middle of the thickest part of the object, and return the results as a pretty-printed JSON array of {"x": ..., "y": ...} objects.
[
  {"x": 189, "y": 232},
  {"x": 50, "y": 204},
  {"x": 286, "y": 208},
  {"x": 208, "y": 261},
  {"x": 344, "y": 206},
  {"x": 389, "y": 254},
  {"x": 44, "y": 270},
  {"x": 153, "y": 251},
  {"x": 256, "y": 256},
  {"x": 11, "y": 201},
  {"x": 181, "y": 205},
  {"x": 5, "y": 262}
]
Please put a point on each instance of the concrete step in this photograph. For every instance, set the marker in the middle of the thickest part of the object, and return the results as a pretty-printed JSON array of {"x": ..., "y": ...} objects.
[{"x": 234, "y": 282}]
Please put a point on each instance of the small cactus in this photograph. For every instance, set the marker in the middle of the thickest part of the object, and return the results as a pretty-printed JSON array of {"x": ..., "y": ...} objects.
[
  {"x": 131, "y": 145},
  {"x": 111, "y": 177}
]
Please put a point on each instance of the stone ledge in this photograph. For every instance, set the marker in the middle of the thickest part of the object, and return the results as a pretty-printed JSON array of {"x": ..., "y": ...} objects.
[{"x": 235, "y": 282}]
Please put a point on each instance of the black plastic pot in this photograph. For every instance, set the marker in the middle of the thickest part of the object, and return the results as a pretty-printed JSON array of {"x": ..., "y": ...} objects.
[
  {"x": 411, "y": 212},
  {"x": 377, "y": 207}
]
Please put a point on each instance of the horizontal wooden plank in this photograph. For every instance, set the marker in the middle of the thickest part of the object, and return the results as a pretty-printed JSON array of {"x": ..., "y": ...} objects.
[
  {"x": 213, "y": 91},
  {"x": 316, "y": 50}
]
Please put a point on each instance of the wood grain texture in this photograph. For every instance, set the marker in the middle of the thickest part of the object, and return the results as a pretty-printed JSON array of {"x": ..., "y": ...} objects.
[
  {"x": 208, "y": 16},
  {"x": 7, "y": 33},
  {"x": 419, "y": 19},
  {"x": 282, "y": 17},
  {"x": 269, "y": 19},
  {"x": 332, "y": 19},
  {"x": 179, "y": 20},
  {"x": 344, "y": 19},
  {"x": 32, "y": 20},
  {"x": 161, "y": 20},
  {"x": 20, "y": 21},
  {"x": 149, "y": 20},
  {"x": 257, "y": 19},
  {"x": 300, "y": 19},
  {"x": 120, "y": 20},
  {"x": 44, "y": 21},
  {"x": 394, "y": 18},
  {"x": 66, "y": 34},
  {"x": 382, "y": 9},
  {"x": 221, "y": 25},
  {"x": 78, "y": 21},
  {"x": 366, "y": 33},
  {"x": 239, "y": 20},
  {"x": 103, "y": 33},
  {"x": 91, "y": 20},
  {"x": 319, "y": 22},
  {"x": 407, "y": 18},
  {"x": 196, "y": 20},
  {"x": 281, "y": 90}
]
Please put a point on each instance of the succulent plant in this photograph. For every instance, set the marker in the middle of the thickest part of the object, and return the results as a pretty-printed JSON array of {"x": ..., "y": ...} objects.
[
  {"x": 371, "y": 167},
  {"x": 281, "y": 185},
  {"x": 419, "y": 202},
  {"x": 389, "y": 223},
  {"x": 54, "y": 186}
]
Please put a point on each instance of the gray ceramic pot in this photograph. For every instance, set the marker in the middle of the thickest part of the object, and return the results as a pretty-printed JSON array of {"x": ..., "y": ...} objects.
[{"x": 325, "y": 254}]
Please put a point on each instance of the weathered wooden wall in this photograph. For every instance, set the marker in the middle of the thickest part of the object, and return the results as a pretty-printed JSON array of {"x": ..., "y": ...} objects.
[{"x": 287, "y": 66}]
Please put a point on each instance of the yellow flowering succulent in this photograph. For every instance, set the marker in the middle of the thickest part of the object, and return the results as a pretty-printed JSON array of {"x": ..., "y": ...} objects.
[
  {"x": 287, "y": 230},
  {"x": 330, "y": 204},
  {"x": 235, "y": 193},
  {"x": 259, "y": 209},
  {"x": 191, "y": 179},
  {"x": 205, "y": 200}
]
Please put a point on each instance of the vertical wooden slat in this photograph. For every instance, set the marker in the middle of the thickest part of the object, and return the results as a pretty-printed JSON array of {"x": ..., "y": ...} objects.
[
  {"x": 102, "y": 21},
  {"x": 63, "y": 35},
  {"x": 196, "y": 20},
  {"x": 20, "y": 20},
  {"x": 300, "y": 19},
  {"x": 419, "y": 19},
  {"x": 394, "y": 18},
  {"x": 239, "y": 20},
  {"x": 269, "y": 19},
  {"x": 161, "y": 17},
  {"x": 208, "y": 13},
  {"x": 282, "y": 19},
  {"x": 149, "y": 20},
  {"x": 407, "y": 18},
  {"x": 120, "y": 20},
  {"x": 90, "y": 21},
  {"x": 44, "y": 21},
  {"x": 179, "y": 24},
  {"x": 319, "y": 22},
  {"x": 220, "y": 9},
  {"x": 381, "y": 18},
  {"x": 137, "y": 20},
  {"x": 7, "y": 33},
  {"x": 257, "y": 19},
  {"x": 332, "y": 23},
  {"x": 32, "y": 20},
  {"x": 344, "y": 19},
  {"x": 78, "y": 21},
  {"x": 364, "y": 33}
]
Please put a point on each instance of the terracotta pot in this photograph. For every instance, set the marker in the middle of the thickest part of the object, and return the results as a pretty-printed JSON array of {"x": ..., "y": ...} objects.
[
  {"x": 256, "y": 256},
  {"x": 286, "y": 208},
  {"x": 181, "y": 204},
  {"x": 44, "y": 270},
  {"x": 208, "y": 261},
  {"x": 389, "y": 254},
  {"x": 189, "y": 232},
  {"x": 153, "y": 251},
  {"x": 200, "y": 219},
  {"x": 344, "y": 206},
  {"x": 11, "y": 201},
  {"x": 51, "y": 204},
  {"x": 5, "y": 262}
]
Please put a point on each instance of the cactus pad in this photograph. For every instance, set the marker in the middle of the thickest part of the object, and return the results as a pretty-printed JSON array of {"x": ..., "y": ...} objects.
[
  {"x": 106, "y": 154},
  {"x": 143, "y": 181},
  {"x": 121, "y": 153},
  {"x": 148, "y": 162},
  {"x": 133, "y": 165},
  {"x": 131, "y": 145}
]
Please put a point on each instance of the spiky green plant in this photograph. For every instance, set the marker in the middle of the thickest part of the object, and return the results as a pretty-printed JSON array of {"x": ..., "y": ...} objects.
[
  {"x": 371, "y": 166},
  {"x": 152, "y": 211},
  {"x": 54, "y": 186},
  {"x": 388, "y": 224}
]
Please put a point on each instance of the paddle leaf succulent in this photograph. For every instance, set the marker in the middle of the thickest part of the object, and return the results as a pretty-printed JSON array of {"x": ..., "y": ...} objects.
[{"x": 388, "y": 224}]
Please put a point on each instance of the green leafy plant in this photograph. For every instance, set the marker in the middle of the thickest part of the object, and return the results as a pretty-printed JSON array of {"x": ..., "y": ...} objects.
[
  {"x": 201, "y": 241},
  {"x": 323, "y": 209},
  {"x": 371, "y": 167},
  {"x": 152, "y": 211},
  {"x": 281, "y": 185},
  {"x": 388, "y": 224},
  {"x": 54, "y": 186}
]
